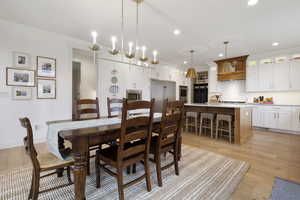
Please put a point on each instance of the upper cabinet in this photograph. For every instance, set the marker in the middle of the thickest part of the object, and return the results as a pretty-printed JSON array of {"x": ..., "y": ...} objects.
[
  {"x": 278, "y": 74},
  {"x": 232, "y": 68}
]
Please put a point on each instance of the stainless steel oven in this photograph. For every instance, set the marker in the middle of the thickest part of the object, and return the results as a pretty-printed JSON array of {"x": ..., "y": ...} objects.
[{"x": 134, "y": 95}]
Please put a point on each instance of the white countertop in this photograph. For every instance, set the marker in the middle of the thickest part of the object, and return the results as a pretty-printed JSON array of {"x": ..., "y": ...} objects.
[
  {"x": 235, "y": 105},
  {"x": 220, "y": 105}
]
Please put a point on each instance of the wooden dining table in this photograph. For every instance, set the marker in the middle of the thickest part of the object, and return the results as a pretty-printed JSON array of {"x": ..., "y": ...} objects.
[{"x": 81, "y": 139}]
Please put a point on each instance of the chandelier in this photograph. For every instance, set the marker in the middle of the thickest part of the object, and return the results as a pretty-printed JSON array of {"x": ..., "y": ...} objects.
[{"x": 134, "y": 50}]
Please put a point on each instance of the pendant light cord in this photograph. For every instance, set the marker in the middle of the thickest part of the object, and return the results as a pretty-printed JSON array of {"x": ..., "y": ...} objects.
[
  {"x": 137, "y": 27},
  {"x": 122, "y": 30}
]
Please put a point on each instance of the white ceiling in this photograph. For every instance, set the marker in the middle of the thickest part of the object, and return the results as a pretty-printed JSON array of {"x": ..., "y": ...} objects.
[{"x": 205, "y": 24}]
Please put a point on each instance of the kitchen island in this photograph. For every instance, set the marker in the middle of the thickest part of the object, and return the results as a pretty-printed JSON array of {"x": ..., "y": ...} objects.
[{"x": 242, "y": 116}]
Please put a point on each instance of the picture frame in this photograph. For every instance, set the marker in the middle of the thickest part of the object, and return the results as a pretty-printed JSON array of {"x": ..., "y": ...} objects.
[
  {"x": 46, "y": 67},
  {"x": 21, "y": 60},
  {"x": 20, "y": 77},
  {"x": 21, "y": 93},
  {"x": 46, "y": 88}
]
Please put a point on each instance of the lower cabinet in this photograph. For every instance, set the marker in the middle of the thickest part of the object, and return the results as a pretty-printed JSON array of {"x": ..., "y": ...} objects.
[
  {"x": 275, "y": 117},
  {"x": 296, "y": 119}
]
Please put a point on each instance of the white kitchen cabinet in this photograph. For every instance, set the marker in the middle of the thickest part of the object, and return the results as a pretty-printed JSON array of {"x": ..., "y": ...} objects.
[
  {"x": 252, "y": 80},
  {"x": 266, "y": 77},
  {"x": 294, "y": 75},
  {"x": 273, "y": 117},
  {"x": 257, "y": 117},
  {"x": 296, "y": 120},
  {"x": 281, "y": 76},
  {"x": 269, "y": 119},
  {"x": 284, "y": 120}
]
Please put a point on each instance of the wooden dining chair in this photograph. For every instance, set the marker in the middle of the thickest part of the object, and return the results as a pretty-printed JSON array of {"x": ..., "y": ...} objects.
[
  {"x": 168, "y": 139},
  {"x": 87, "y": 109},
  {"x": 125, "y": 153},
  {"x": 113, "y": 106},
  {"x": 42, "y": 163}
]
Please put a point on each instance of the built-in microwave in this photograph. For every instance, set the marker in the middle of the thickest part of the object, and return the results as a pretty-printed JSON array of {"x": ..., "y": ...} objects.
[{"x": 134, "y": 95}]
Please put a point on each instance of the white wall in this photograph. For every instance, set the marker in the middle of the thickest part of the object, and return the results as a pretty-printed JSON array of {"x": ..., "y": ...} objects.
[
  {"x": 17, "y": 37},
  {"x": 88, "y": 72},
  {"x": 133, "y": 77},
  {"x": 236, "y": 90}
]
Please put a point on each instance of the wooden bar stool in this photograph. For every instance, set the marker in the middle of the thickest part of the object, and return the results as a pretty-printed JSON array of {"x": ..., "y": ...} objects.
[
  {"x": 194, "y": 116},
  {"x": 224, "y": 118},
  {"x": 208, "y": 126}
]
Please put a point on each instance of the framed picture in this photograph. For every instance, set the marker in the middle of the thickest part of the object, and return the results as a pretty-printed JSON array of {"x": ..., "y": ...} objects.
[
  {"x": 21, "y": 93},
  {"x": 46, "y": 89},
  {"x": 46, "y": 67},
  {"x": 21, "y": 60},
  {"x": 20, "y": 77}
]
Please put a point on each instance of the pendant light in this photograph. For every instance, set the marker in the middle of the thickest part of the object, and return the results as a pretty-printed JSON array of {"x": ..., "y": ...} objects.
[{"x": 191, "y": 72}]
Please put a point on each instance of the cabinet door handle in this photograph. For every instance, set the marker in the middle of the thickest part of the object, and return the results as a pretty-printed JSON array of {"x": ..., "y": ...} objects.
[
  {"x": 278, "y": 115},
  {"x": 299, "y": 117}
]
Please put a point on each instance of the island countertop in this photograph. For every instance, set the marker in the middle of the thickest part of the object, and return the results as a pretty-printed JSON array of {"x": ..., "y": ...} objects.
[{"x": 220, "y": 105}]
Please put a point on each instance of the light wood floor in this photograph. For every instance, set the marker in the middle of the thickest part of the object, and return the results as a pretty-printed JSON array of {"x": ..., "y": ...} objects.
[{"x": 269, "y": 154}]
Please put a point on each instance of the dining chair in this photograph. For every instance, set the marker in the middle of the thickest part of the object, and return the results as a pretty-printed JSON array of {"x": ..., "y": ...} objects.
[
  {"x": 126, "y": 153},
  {"x": 114, "y": 106},
  {"x": 42, "y": 163},
  {"x": 168, "y": 138},
  {"x": 87, "y": 109}
]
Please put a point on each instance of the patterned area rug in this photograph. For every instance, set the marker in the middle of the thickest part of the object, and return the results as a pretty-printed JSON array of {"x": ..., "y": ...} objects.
[{"x": 203, "y": 175}]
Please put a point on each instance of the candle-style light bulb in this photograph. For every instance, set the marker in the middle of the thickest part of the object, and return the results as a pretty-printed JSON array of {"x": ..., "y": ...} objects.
[
  {"x": 94, "y": 36},
  {"x": 130, "y": 44},
  {"x": 155, "y": 55},
  {"x": 144, "y": 52},
  {"x": 113, "y": 42}
]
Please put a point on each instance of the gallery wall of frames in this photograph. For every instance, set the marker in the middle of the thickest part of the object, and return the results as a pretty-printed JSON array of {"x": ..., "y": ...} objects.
[{"x": 31, "y": 73}]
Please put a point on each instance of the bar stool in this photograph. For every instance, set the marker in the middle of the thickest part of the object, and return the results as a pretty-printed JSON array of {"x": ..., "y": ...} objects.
[
  {"x": 224, "y": 118},
  {"x": 193, "y": 115},
  {"x": 209, "y": 126}
]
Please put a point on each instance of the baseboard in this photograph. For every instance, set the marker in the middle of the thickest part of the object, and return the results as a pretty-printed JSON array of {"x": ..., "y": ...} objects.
[
  {"x": 277, "y": 130},
  {"x": 13, "y": 143}
]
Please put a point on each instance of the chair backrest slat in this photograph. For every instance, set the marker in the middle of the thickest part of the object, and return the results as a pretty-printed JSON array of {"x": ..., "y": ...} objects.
[
  {"x": 137, "y": 127},
  {"x": 171, "y": 123},
  {"x": 79, "y": 110},
  {"x": 114, "y": 105},
  {"x": 28, "y": 143}
]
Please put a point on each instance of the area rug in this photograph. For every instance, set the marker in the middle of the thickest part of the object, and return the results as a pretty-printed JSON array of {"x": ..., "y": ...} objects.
[
  {"x": 285, "y": 190},
  {"x": 203, "y": 175}
]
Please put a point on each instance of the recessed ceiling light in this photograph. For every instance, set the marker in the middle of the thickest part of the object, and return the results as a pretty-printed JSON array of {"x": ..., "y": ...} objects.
[
  {"x": 252, "y": 2},
  {"x": 221, "y": 55},
  {"x": 275, "y": 44},
  {"x": 185, "y": 62},
  {"x": 176, "y": 32}
]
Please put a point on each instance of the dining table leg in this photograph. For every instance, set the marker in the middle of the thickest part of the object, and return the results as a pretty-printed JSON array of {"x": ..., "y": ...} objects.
[{"x": 80, "y": 146}]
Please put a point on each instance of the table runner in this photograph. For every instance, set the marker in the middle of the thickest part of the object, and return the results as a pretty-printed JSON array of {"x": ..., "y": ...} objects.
[{"x": 55, "y": 128}]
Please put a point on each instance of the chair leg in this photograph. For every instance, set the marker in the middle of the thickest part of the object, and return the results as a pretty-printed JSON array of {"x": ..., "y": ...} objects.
[
  {"x": 229, "y": 128},
  {"x": 97, "y": 167},
  {"x": 176, "y": 160},
  {"x": 147, "y": 173},
  {"x": 186, "y": 124},
  {"x": 128, "y": 169},
  {"x": 69, "y": 174},
  {"x": 134, "y": 168},
  {"x": 211, "y": 128},
  {"x": 201, "y": 123},
  {"x": 120, "y": 182},
  {"x": 35, "y": 191},
  {"x": 31, "y": 187},
  {"x": 158, "y": 169},
  {"x": 88, "y": 163},
  {"x": 217, "y": 129},
  {"x": 196, "y": 125}
]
